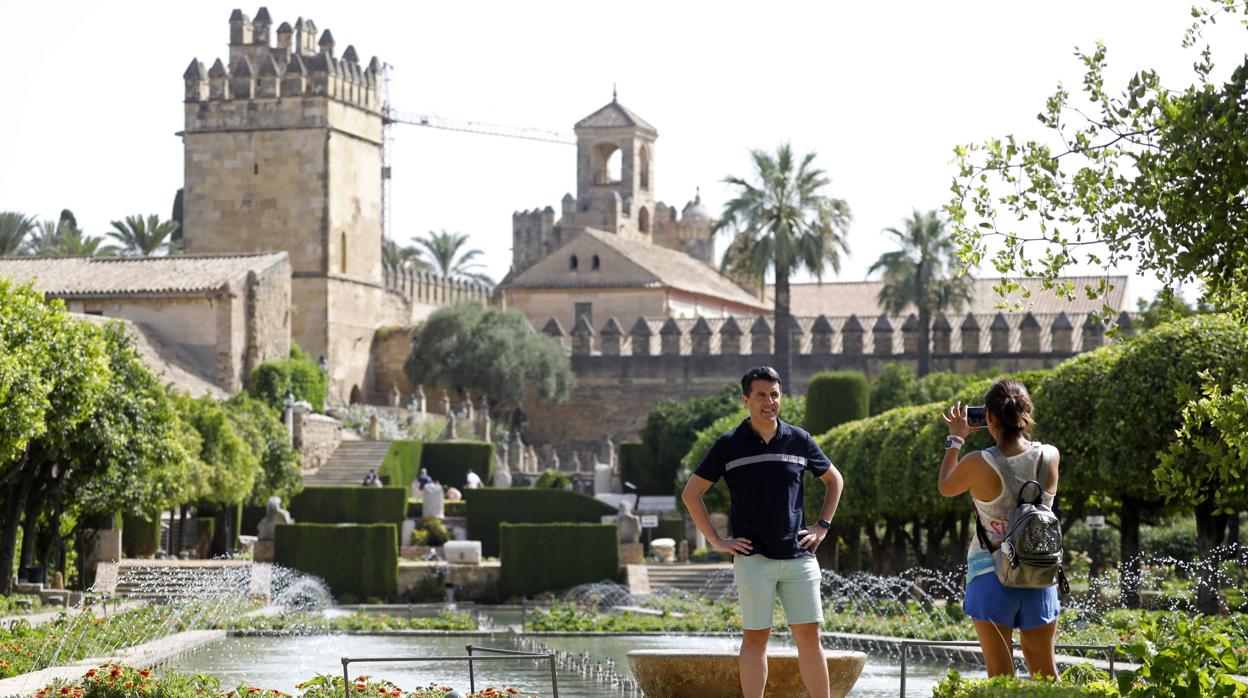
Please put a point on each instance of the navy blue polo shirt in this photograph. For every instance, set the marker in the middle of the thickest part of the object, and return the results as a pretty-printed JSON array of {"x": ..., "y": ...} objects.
[{"x": 765, "y": 483}]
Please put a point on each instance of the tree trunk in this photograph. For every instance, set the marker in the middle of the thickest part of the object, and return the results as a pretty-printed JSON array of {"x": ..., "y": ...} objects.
[
  {"x": 53, "y": 556},
  {"x": 1232, "y": 530},
  {"x": 897, "y": 558},
  {"x": 877, "y": 548},
  {"x": 936, "y": 533},
  {"x": 854, "y": 541},
  {"x": 784, "y": 332},
  {"x": 30, "y": 518},
  {"x": 925, "y": 342},
  {"x": 15, "y": 502},
  {"x": 1129, "y": 514},
  {"x": 1210, "y": 528}
]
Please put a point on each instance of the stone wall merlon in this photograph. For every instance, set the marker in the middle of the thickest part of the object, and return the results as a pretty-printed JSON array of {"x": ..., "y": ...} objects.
[{"x": 1008, "y": 333}]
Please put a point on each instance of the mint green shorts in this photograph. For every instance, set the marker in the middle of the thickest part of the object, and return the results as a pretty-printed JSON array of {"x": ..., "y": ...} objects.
[{"x": 760, "y": 579}]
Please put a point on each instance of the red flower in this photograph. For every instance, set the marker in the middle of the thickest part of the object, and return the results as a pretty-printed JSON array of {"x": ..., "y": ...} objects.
[
  {"x": 128, "y": 684},
  {"x": 91, "y": 673},
  {"x": 144, "y": 673}
]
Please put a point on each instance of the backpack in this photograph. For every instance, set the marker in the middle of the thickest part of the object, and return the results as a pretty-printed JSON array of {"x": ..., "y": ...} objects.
[{"x": 1030, "y": 555}]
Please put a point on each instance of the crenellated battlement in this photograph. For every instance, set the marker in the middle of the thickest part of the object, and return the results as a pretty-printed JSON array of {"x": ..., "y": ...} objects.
[
  {"x": 984, "y": 335},
  {"x": 427, "y": 288},
  {"x": 287, "y": 63}
]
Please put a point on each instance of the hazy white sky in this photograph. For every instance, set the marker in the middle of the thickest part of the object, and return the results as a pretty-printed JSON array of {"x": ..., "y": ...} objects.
[{"x": 91, "y": 96}]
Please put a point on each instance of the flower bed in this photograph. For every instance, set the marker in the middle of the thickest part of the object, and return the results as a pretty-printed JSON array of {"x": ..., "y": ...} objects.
[{"x": 117, "y": 681}]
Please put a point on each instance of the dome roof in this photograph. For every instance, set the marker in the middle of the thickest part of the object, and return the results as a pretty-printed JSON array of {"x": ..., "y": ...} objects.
[{"x": 695, "y": 211}]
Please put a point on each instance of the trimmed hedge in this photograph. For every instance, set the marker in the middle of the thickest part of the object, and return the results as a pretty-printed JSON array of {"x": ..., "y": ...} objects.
[
  {"x": 637, "y": 467},
  {"x": 547, "y": 557},
  {"x": 140, "y": 537},
  {"x": 670, "y": 528},
  {"x": 492, "y": 507},
  {"x": 350, "y": 504},
  {"x": 357, "y": 559},
  {"x": 447, "y": 462},
  {"x": 836, "y": 397},
  {"x": 416, "y": 508}
]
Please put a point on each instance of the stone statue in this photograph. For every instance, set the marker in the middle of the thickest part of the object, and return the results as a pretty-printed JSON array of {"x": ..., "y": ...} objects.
[
  {"x": 446, "y": 402},
  {"x": 469, "y": 415},
  {"x": 396, "y": 397},
  {"x": 607, "y": 453},
  {"x": 431, "y": 502},
  {"x": 602, "y": 477},
  {"x": 418, "y": 400},
  {"x": 576, "y": 462},
  {"x": 450, "y": 434},
  {"x": 274, "y": 516},
  {"x": 630, "y": 525}
]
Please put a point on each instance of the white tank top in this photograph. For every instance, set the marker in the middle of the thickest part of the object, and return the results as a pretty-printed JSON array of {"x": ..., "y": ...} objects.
[{"x": 1013, "y": 471}]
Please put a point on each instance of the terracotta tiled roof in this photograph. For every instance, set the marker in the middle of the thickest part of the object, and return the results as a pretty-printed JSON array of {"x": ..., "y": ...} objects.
[
  {"x": 165, "y": 359},
  {"x": 652, "y": 266},
  {"x": 861, "y": 298},
  {"x": 114, "y": 276}
]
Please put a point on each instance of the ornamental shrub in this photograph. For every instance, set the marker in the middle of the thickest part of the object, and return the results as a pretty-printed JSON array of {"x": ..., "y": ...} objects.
[
  {"x": 491, "y": 507},
  {"x": 548, "y": 557},
  {"x": 350, "y": 504},
  {"x": 447, "y": 462},
  {"x": 836, "y": 397},
  {"x": 140, "y": 535},
  {"x": 357, "y": 559},
  {"x": 298, "y": 374}
]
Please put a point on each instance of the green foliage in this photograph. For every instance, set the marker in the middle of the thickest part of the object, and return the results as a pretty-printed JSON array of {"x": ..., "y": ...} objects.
[
  {"x": 271, "y": 381},
  {"x": 430, "y": 531},
  {"x": 143, "y": 237},
  {"x": 402, "y": 463},
  {"x": 449, "y": 462},
  {"x": 228, "y": 468},
  {"x": 1185, "y": 658},
  {"x": 491, "y": 507},
  {"x": 140, "y": 536},
  {"x": 546, "y": 557},
  {"x": 1208, "y": 462},
  {"x": 14, "y": 227},
  {"x": 357, "y": 559},
  {"x": 836, "y": 397},
  {"x": 131, "y": 452},
  {"x": 443, "y": 252},
  {"x": 954, "y": 686},
  {"x": 670, "y": 429},
  {"x": 350, "y": 504},
  {"x": 1148, "y": 386},
  {"x": 1167, "y": 306},
  {"x": 266, "y": 436},
  {"x": 636, "y": 468},
  {"x": 674, "y": 616},
  {"x": 552, "y": 479},
  {"x": 1148, "y": 169},
  {"x": 489, "y": 351},
  {"x": 23, "y": 355},
  {"x": 360, "y": 621},
  {"x": 897, "y": 386}
]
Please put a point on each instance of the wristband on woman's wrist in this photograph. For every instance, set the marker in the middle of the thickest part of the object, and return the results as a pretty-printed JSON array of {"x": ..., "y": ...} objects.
[{"x": 954, "y": 441}]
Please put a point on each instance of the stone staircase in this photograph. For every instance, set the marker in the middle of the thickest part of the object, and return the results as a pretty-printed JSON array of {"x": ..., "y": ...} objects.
[
  {"x": 713, "y": 580},
  {"x": 349, "y": 463}
]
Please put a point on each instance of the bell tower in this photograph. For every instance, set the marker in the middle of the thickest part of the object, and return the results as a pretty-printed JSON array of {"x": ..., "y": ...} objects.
[{"x": 615, "y": 171}]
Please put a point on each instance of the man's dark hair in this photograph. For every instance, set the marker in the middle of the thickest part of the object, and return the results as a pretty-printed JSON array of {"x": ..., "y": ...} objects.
[{"x": 759, "y": 373}]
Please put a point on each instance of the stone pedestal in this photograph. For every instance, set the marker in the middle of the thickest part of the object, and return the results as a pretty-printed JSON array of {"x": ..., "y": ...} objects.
[
  {"x": 632, "y": 554},
  {"x": 262, "y": 551},
  {"x": 466, "y": 552},
  {"x": 679, "y": 673}
]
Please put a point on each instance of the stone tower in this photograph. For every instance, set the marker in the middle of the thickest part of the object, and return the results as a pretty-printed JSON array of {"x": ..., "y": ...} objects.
[{"x": 283, "y": 152}]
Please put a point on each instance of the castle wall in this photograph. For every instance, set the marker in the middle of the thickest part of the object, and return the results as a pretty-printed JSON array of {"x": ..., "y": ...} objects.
[
  {"x": 607, "y": 302},
  {"x": 353, "y": 309},
  {"x": 391, "y": 347},
  {"x": 268, "y": 316}
]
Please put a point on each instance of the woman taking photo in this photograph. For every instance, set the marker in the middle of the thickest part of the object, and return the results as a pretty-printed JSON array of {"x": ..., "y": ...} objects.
[{"x": 994, "y": 477}]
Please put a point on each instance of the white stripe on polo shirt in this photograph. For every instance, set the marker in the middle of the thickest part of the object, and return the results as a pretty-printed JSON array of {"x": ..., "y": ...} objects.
[{"x": 800, "y": 460}]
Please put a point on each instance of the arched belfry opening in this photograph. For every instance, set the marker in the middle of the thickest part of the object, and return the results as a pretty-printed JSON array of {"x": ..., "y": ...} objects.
[
  {"x": 608, "y": 163},
  {"x": 644, "y": 166},
  {"x": 643, "y": 220}
]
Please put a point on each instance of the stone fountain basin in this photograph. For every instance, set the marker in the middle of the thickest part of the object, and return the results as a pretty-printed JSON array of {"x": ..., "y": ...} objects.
[{"x": 714, "y": 673}]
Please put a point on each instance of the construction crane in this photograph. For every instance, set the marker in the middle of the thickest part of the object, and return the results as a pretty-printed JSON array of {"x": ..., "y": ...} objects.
[{"x": 390, "y": 117}]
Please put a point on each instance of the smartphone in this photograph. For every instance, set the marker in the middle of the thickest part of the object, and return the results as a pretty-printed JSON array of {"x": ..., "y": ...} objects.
[{"x": 977, "y": 416}]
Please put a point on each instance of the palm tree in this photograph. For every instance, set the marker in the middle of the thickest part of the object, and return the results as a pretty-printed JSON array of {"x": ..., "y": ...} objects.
[
  {"x": 63, "y": 238},
  {"x": 14, "y": 227},
  {"x": 407, "y": 257},
  {"x": 443, "y": 251},
  {"x": 143, "y": 237},
  {"x": 922, "y": 274},
  {"x": 783, "y": 222}
]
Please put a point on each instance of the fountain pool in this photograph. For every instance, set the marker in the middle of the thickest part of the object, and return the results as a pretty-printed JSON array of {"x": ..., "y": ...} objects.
[{"x": 281, "y": 662}]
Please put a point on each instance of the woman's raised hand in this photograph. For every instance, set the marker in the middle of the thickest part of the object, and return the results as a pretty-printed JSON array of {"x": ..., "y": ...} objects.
[{"x": 955, "y": 419}]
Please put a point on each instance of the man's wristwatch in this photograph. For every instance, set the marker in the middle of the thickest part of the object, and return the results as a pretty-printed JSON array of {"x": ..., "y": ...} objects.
[{"x": 824, "y": 523}]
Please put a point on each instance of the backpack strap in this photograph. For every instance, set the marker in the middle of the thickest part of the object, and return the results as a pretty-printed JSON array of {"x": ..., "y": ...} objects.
[{"x": 1042, "y": 469}]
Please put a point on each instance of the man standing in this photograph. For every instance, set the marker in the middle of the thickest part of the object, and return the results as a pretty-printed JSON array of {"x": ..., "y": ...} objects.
[{"x": 763, "y": 461}]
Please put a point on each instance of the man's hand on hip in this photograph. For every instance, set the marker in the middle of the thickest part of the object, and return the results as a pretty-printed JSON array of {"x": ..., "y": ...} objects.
[
  {"x": 735, "y": 546},
  {"x": 811, "y": 537}
]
